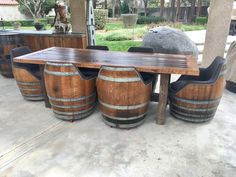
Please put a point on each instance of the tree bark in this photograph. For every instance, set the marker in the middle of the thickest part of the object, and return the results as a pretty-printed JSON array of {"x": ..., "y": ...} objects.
[
  {"x": 217, "y": 30},
  {"x": 172, "y": 10},
  {"x": 199, "y": 8},
  {"x": 192, "y": 11},
  {"x": 145, "y": 6},
  {"x": 177, "y": 11},
  {"x": 105, "y": 4},
  {"x": 162, "y": 8}
]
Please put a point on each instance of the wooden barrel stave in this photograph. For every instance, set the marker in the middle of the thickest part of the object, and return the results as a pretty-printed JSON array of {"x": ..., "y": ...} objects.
[
  {"x": 8, "y": 41},
  {"x": 69, "y": 103},
  {"x": 30, "y": 86},
  {"x": 198, "y": 102},
  {"x": 123, "y": 97}
]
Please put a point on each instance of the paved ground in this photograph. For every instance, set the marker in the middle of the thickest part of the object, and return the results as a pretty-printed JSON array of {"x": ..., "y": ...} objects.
[{"x": 35, "y": 144}]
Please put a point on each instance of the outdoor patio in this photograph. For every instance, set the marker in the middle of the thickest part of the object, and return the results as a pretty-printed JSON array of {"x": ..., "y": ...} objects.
[{"x": 35, "y": 143}]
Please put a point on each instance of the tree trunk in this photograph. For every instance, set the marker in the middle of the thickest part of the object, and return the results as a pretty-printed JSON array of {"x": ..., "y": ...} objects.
[
  {"x": 105, "y": 4},
  {"x": 199, "y": 8},
  {"x": 94, "y": 4},
  {"x": 145, "y": 6},
  {"x": 162, "y": 7},
  {"x": 192, "y": 11},
  {"x": 177, "y": 11},
  {"x": 217, "y": 30},
  {"x": 172, "y": 10}
]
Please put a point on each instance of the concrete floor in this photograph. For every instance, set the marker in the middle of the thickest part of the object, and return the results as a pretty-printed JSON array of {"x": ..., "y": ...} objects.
[{"x": 35, "y": 144}]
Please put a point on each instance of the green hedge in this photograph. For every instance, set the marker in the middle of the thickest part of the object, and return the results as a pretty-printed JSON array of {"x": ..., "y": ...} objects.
[
  {"x": 201, "y": 20},
  {"x": 149, "y": 19},
  {"x": 101, "y": 16},
  {"x": 25, "y": 22}
]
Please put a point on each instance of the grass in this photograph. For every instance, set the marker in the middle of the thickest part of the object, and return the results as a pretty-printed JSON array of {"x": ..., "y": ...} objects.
[{"x": 117, "y": 45}]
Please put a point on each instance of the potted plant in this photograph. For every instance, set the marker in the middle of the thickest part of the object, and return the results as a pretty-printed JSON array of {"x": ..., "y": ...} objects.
[
  {"x": 38, "y": 25},
  {"x": 16, "y": 25}
]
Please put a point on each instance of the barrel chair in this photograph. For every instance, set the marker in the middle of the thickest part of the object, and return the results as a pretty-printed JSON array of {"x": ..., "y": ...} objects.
[
  {"x": 196, "y": 98},
  {"x": 27, "y": 76},
  {"x": 72, "y": 94},
  {"x": 97, "y": 47},
  {"x": 146, "y": 75},
  {"x": 123, "y": 96}
]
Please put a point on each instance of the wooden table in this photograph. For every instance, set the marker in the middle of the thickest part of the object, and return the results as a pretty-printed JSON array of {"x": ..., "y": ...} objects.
[{"x": 163, "y": 64}]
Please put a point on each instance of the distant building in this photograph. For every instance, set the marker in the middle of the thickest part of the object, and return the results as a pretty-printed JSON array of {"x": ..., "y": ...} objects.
[{"x": 9, "y": 10}]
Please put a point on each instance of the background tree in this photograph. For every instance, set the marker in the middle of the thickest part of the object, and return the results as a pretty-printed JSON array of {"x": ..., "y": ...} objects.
[
  {"x": 199, "y": 8},
  {"x": 192, "y": 11},
  {"x": 145, "y": 6},
  {"x": 32, "y": 7},
  {"x": 162, "y": 7},
  {"x": 177, "y": 10},
  {"x": 173, "y": 10}
]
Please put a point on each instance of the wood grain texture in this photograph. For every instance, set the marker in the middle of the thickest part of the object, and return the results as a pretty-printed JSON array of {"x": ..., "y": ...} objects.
[
  {"x": 72, "y": 95},
  {"x": 163, "y": 98},
  {"x": 123, "y": 97},
  {"x": 39, "y": 42},
  {"x": 8, "y": 41},
  {"x": 152, "y": 63},
  {"x": 29, "y": 85},
  {"x": 197, "y": 102}
]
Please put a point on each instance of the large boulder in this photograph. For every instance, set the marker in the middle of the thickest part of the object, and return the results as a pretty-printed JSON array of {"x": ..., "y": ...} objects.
[{"x": 169, "y": 40}]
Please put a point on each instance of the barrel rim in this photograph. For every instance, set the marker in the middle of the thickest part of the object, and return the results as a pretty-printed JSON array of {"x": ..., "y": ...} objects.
[
  {"x": 63, "y": 64},
  {"x": 103, "y": 67}
]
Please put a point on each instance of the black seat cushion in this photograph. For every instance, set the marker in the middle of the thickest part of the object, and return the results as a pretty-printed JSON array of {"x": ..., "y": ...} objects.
[
  {"x": 141, "y": 49},
  {"x": 98, "y": 47}
]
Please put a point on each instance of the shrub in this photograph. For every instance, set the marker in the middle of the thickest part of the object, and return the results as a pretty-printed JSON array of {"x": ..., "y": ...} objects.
[
  {"x": 116, "y": 36},
  {"x": 149, "y": 19},
  {"x": 201, "y": 20},
  {"x": 101, "y": 16},
  {"x": 129, "y": 20},
  {"x": 25, "y": 22},
  {"x": 124, "y": 8}
]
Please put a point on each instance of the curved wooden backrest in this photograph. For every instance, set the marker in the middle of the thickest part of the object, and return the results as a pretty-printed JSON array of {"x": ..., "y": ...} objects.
[
  {"x": 98, "y": 47},
  {"x": 20, "y": 51},
  {"x": 71, "y": 94},
  {"x": 123, "y": 96},
  {"x": 141, "y": 49}
]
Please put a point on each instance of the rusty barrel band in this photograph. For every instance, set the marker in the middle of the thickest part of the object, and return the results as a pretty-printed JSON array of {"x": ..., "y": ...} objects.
[
  {"x": 193, "y": 109},
  {"x": 125, "y": 118},
  {"x": 30, "y": 89},
  {"x": 28, "y": 83},
  {"x": 72, "y": 106},
  {"x": 72, "y": 99},
  {"x": 217, "y": 100},
  {"x": 123, "y": 125},
  {"x": 190, "y": 115},
  {"x": 73, "y": 113},
  {"x": 74, "y": 117},
  {"x": 119, "y": 79},
  {"x": 117, "y": 107},
  {"x": 190, "y": 119}
]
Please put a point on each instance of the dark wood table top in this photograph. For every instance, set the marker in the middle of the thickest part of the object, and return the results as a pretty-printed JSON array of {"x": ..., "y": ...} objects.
[{"x": 143, "y": 62}]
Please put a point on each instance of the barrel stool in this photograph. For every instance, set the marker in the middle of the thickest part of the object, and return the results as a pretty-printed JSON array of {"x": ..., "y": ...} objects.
[
  {"x": 27, "y": 76},
  {"x": 196, "y": 98},
  {"x": 72, "y": 94},
  {"x": 146, "y": 75},
  {"x": 8, "y": 41},
  {"x": 123, "y": 96}
]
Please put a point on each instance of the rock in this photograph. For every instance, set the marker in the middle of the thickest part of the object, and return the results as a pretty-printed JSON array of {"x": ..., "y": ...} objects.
[
  {"x": 169, "y": 40},
  {"x": 230, "y": 74}
]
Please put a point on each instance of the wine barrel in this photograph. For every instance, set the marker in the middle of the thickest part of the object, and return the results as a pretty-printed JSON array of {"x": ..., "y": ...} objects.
[
  {"x": 29, "y": 85},
  {"x": 198, "y": 102},
  {"x": 8, "y": 41},
  {"x": 71, "y": 94},
  {"x": 123, "y": 96}
]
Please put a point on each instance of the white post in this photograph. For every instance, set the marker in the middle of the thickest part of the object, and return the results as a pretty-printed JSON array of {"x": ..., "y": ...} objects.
[{"x": 217, "y": 30}]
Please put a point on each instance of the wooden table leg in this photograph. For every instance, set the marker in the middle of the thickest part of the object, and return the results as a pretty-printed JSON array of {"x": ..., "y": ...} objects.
[
  {"x": 163, "y": 98},
  {"x": 46, "y": 100}
]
